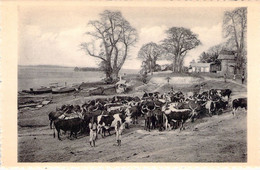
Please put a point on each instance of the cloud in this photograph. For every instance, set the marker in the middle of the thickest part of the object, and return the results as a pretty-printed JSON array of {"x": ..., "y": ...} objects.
[{"x": 63, "y": 48}]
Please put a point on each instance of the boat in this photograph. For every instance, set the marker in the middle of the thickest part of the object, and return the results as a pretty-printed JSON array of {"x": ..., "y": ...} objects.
[
  {"x": 40, "y": 90},
  {"x": 58, "y": 90}
]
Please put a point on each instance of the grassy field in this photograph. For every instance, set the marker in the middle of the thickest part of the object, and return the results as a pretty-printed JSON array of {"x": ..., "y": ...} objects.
[{"x": 211, "y": 139}]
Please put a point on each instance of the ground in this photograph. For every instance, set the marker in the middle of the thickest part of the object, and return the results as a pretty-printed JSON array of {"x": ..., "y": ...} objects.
[{"x": 221, "y": 138}]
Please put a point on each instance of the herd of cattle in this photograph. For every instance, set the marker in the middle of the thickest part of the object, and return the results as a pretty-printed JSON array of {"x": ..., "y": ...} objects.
[{"x": 160, "y": 111}]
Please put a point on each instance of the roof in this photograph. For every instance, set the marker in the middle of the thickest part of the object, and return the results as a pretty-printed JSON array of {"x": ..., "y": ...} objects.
[
  {"x": 226, "y": 57},
  {"x": 226, "y": 52},
  {"x": 200, "y": 64}
]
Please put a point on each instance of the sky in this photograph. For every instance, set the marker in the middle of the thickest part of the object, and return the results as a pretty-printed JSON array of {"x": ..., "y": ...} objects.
[{"x": 52, "y": 35}]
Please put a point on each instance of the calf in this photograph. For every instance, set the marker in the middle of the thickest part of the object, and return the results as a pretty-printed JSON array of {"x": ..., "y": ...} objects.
[{"x": 239, "y": 102}]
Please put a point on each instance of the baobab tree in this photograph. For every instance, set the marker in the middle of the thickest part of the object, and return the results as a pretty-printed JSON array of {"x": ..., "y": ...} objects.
[
  {"x": 234, "y": 28},
  {"x": 178, "y": 42},
  {"x": 149, "y": 53},
  {"x": 112, "y": 37}
]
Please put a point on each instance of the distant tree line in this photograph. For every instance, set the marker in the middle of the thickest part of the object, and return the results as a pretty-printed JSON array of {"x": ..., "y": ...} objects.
[{"x": 87, "y": 69}]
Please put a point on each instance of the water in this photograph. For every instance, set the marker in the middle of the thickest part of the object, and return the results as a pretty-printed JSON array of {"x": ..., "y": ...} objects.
[{"x": 37, "y": 76}]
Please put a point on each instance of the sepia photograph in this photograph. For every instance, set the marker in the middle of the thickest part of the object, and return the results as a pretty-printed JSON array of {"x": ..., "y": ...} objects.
[{"x": 132, "y": 84}]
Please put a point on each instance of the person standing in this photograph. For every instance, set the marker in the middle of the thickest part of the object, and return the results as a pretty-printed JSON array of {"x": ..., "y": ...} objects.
[
  {"x": 93, "y": 132},
  {"x": 119, "y": 129},
  {"x": 243, "y": 78}
]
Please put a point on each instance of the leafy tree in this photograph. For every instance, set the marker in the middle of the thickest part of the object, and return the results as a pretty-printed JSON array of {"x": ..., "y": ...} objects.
[
  {"x": 234, "y": 28},
  {"x": 211, "y": 55},
  {"x": 178, "y": 42},
  {"x": 112, "y": 36},
  {"x": 150, "y": 53}
]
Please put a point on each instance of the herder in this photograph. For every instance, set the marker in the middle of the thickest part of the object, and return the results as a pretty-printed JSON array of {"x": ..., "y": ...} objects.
[
  {"x": 119, "y": 129},
  {"x": 93, "y": 132}
]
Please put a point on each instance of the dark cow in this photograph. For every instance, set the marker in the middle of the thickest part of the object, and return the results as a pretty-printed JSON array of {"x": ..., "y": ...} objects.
[
  {"x": 73, "y": 125},
  {"x": 239, "y": 102},
  {"x": 134, "y": 112},
  {"x": 220, "y": 106}
]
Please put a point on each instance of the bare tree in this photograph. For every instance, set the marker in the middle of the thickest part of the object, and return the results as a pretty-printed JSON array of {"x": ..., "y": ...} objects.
[
  {"x": 178, "y": 42},
  {"x": 113, "y": 35},
  {"x": 150, "y": 53},
  {"x": 234, "y": 28}
]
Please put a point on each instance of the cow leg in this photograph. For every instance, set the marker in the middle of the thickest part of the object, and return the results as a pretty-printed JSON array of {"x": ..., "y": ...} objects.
[
  {"x": 109, "y": 132},
  {"x": 166, "y": 124},
  {"x": 76, "y": 135},
  {"x": 51, "y": 124},
  {"x": 181, "y": 125},
  {"x": 233, "y": 111},
  {"x": 58, "y": 130},
  {"x": 71, "y": 132}
]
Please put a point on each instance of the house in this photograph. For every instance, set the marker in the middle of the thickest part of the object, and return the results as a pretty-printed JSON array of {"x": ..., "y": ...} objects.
[
  {"x": 199, "y": 67},
  {"x": 228, "y": 62}
]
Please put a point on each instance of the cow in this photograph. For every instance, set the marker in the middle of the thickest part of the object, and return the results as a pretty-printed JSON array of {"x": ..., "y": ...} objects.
[
  {"x": 149, "y": 120},
  {"x": 134, "y": 112},
  {"x": 225, "y": 93},
  {"x": 220, "y": 105},
  {"x": 179, "y": 115},
  {"x": 239, "y": 102},
  {"x": 73, "y": 125},
  {"x": 106, "y": 122}
]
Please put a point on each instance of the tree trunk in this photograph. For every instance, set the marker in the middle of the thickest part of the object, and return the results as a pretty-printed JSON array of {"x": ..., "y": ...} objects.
[
  {"x": 151, "y": 67},
  {"x": 174, "y": 64},
  {"x": 114, "y": 75}
]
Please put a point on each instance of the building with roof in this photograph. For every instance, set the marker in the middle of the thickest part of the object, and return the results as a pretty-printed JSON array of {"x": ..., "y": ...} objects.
[
  {"x": 228, "y": 62},
  {"x": 199, "y": 67}
]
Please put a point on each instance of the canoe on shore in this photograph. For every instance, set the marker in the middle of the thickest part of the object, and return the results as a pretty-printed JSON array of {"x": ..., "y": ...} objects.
[
  {"x": 40, "y": 90},
  {"x": 63, "y": 90}
]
